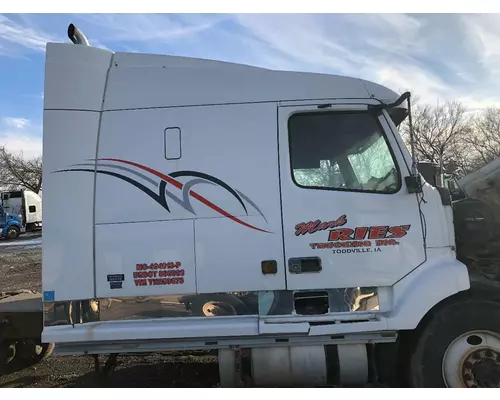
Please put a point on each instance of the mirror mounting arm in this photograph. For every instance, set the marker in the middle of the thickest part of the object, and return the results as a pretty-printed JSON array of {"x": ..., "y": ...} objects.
[{"x": 413, "y": 182}]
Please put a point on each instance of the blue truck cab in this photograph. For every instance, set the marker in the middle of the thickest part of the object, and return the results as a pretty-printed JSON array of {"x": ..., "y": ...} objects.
[{"x": 11, "y": 225}]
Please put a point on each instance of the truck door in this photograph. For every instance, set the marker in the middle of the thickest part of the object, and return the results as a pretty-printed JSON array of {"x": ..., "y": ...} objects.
[
  {"x": 194, "y": 186},
  {"x": 348, "y": 218}
]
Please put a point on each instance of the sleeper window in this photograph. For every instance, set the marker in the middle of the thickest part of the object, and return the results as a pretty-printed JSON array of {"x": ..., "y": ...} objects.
[{"x": 341, "y": 150}]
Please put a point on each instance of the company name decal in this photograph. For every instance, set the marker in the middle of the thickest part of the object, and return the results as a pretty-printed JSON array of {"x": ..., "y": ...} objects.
[
  {"x": 361, "y": 239},
  {"x": 315, "y": 226},
  {"x": 168, "y": 185}
]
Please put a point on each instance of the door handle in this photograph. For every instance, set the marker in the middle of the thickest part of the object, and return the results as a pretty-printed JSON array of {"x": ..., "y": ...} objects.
[{"x": 304, "y": 265}]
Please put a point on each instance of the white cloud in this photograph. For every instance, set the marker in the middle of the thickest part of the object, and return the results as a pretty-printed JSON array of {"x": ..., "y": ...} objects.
[
  {"x": 30, "y": 146},
  {"x": 372, "y": 47},
  {"x": 304, "y": 38},
  {"x": 446, "y": 57},
  {"x": 148, "y": 27},
  {"x": 17, "y": 123},
  {"x": 14, "y": 35},
  {"x": 19, "y": 135},
  {"x": 484, "y": 31},
  {"x": 436, "y": 56},
  {"x": 394, "y": 33}
]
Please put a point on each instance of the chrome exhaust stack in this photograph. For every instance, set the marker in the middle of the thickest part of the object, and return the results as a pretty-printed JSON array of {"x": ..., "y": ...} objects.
[{"x": 77, "y": 36}]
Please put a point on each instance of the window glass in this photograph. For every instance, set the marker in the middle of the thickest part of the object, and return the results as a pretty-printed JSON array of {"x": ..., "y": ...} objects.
[{"x": 344, "y": 151}]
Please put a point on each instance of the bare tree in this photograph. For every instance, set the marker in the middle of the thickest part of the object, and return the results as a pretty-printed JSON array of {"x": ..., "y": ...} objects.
[
  {"x": 464, "y": 160},
  {"x": 485, "y": 140},
  {"x": 439, "y": 133},
  {"x": 16, "y": 171}
]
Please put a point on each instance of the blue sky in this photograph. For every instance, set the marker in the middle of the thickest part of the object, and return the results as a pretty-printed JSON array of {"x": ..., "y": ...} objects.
[{"x": 436, "y": 56}]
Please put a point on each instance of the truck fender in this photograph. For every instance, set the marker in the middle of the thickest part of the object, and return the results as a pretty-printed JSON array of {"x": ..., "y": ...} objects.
[
  {"x": 423, "y": 289},
  {"x": 14, "y": 223},
  {"x": 9, "y": 224}
]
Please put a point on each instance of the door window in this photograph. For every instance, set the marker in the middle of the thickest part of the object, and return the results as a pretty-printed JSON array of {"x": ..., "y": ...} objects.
[{"x": 341, "y": 151}]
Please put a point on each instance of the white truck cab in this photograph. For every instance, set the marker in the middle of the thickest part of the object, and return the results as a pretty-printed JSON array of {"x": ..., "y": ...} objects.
[
  {"x": 25, "y": 203},
  {"x": 223, "y": 206}
]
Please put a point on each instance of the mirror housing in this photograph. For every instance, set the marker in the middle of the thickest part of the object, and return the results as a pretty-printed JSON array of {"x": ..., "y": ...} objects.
[{"x": 413, "y": 183}]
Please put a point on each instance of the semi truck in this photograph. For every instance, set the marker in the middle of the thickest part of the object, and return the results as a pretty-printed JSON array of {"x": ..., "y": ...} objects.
[
  {"x": 284, "y": 205},
  {"x": 475, "y": 204},
  {"x": 25, "y": 204},
  {"x": 484, "y": 185},
  {"x": 11, "y": 225}
]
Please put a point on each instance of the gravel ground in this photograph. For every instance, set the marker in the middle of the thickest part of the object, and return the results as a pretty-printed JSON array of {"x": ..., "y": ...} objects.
[
  {"x": 132, "y": 371},
  {"x": 21, "y": 264},
  {"x": 20, "y": 268}
]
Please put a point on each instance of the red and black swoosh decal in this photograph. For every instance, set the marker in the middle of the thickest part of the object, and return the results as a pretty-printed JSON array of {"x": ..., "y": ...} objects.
[{"x": 171, "y": 180}]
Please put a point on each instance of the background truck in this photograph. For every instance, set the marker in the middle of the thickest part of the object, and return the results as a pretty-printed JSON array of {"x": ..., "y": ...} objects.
[
  {"x": 21, "y": 324},
  {"x": 11, "y": 225},
  {"x": 484, "y": 185},
  {"x": 476, "y": 212},
  {"x": 293, "y": 189},
  {"x": 26, "y": 204}
]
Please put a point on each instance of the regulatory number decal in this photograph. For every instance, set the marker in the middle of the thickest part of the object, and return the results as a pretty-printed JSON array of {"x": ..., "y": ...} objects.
[{"x": 157, "y": 274}]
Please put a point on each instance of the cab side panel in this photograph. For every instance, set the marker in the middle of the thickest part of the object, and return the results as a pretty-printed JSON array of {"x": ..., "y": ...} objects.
[
  {"x": 192, "y": 187},
  {"x": 75, "y": 82},
  {"x": 68, "y": 199}
]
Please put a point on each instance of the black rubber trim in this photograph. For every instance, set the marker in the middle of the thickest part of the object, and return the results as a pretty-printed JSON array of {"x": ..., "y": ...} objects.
[
  {"x": 445, "y": 196},
  {"x": 332, "y": 365}
]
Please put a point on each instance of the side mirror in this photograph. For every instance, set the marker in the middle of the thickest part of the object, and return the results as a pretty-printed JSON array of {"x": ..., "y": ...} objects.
[
  {"x": 458, "y": 195},
  {"x": 413, "y": 184}
]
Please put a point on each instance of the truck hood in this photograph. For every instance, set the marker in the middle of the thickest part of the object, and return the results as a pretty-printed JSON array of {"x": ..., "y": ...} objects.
[{"x": 13, "y": 217}]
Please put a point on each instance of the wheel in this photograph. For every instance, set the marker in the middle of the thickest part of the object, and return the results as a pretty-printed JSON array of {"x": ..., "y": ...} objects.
[
  {"x": 459, "y": 347},
  {"x": 12, "y": 233},
  {"x": 32, "y": 351},
  {"x": 8, "y": 352},
  {"x": 44, "y": 350}
]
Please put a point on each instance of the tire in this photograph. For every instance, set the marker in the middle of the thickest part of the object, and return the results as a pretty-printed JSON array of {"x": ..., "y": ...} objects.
[
  {"x": 32, "y": 351},
  {"x": 8, "y": 351},
  {"x": 12, "y": 233},
  {"x": 432, "y": 359},
  {"x": 46, "y": 350},
  {"x": 7, "y": 355}
]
